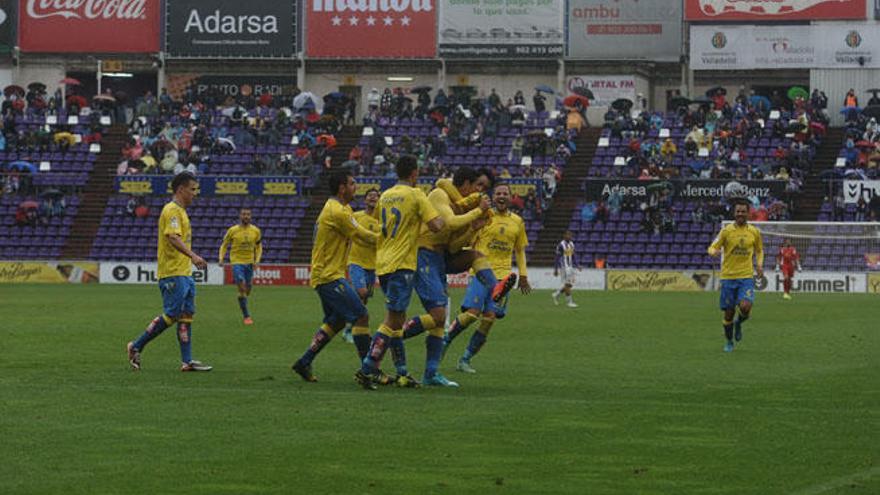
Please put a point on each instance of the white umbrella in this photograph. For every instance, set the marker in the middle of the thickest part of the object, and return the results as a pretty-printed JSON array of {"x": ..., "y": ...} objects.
[
  {"x": 302, "y": 99},
  {"x": 227, "y": 141}
]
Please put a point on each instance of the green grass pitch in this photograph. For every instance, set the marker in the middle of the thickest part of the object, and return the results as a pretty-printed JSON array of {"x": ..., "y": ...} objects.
[{"x": 628, "y": 394}]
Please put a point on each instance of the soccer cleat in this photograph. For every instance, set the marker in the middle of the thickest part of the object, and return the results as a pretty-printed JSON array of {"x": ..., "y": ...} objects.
[
  {"x": 364, "y": 380},
  {"x": 503, "y": 287},
  {"x": 248, "y": 321},
  {"x": 572, "y": 304},
  {"x": 737, "y": 330},
  {"x": 406, "y": 381},
  {"x": 346, "y": 336},
  {"x": 439, "y": 380},
  {"x": 195, "y": 366},
  {"x": 134, "y": 357},
  {"x": 728, "y": 347},
  {"x": 305, "y": 371},
  {"x": 555, "y": 298},
  {"x": 465, "y": 367},
  {"x": 384, "y": 379},
  {"x": 787, "y": 297}
]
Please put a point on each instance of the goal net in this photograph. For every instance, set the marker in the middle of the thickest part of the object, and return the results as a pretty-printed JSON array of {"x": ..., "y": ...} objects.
[{"x": 824, "y": 246}]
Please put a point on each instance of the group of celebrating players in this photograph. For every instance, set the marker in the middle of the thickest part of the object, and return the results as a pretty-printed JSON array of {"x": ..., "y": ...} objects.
[{"x": 410, "y": 241}]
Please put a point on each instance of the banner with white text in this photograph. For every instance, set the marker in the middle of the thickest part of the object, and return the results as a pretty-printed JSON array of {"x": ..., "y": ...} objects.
[{"x": 624, "y": 29}]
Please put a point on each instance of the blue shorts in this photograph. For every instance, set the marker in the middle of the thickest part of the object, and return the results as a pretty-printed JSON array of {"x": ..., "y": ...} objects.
[
  {"x": 733, "y": 291},
  {"x": 361, "y": 278},
  {"x": 178, "y": 296},
  {"x": 340, "y": 302},
  {"x": 479, "y": 297},
  {"x": 397, "y": 287},
  {"x": 431, "y": 279},
  {"x": 243, "y": 273}
]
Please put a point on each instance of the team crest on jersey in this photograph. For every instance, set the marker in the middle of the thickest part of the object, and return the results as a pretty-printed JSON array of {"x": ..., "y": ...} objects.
[{"x": 175, "y": 223}]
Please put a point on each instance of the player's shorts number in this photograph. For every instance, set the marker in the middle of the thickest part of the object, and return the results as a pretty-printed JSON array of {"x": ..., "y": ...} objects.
[{"x": 398, "y": 217}]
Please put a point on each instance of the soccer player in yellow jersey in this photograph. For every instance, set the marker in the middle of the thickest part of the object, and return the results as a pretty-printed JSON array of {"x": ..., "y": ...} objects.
[
  {"x": 175, "y": 260},
  {"x": 402, "y": 210},
  {"x": 738, "y": 243},
  {"x": 334, "y": 231},
  {"x": 245, "y": 243},
  {"x": 362, "y": 263},
  {"x": 500, "y": 239}
]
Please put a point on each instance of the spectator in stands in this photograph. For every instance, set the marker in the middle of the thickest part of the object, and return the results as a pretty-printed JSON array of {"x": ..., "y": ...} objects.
[
  {"x": 851, "y": 100},
  {"x": 601, "y": 212},
  {"x": 519, "y": 99},
  {"x": 538, "y": 100},
  {"x": 549, "y": 178},
  {"x": 839, "y": 208},
  {"x": 588, "y": 212},
  {"x": 532, "y": 205},
  {"x": 516, "y": 149},
  {"x": 862, "y": 212}
]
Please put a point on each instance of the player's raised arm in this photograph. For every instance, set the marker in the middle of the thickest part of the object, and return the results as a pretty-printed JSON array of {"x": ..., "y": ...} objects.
[
  {"x": 440, "y": 202},
  {"x": 353, "y": 230},
  {"x": 430, "y": 216},
  {"x": 459, "y": 202}
]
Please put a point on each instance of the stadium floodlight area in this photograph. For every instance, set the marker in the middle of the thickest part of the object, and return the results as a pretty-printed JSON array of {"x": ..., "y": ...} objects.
[{"x": 824, "y": 246}]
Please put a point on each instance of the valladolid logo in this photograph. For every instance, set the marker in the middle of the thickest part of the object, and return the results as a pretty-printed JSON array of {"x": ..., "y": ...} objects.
[
  {"x": 719, "y": 40},
  {"x": 853, "y": 39}
]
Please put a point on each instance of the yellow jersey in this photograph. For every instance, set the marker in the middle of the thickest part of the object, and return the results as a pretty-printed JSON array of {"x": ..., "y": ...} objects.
[
  {"x": 738, "y": 245},
  {"x": 173, "y": 263},
  {"x": 363, "y": 254},
  {"x": 245, "y": 244},
  {"x": 402, "y": 211},
  {"x": 334, "y": 230},
  {"x": 442, "y": 202},
  {"x": 500, "y": 239}
]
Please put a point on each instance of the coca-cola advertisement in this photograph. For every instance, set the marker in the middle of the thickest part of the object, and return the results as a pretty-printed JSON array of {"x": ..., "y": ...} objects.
[
  {"x": 371, "y": 29},
  {"x": 89, "y": 26},
  {"x": 230, "y": 28},
  {"x": 778, "y": 10}
]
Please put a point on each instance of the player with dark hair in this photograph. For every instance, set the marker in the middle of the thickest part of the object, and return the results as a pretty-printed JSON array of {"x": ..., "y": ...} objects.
[
  {"x": 362, "y": 265},
  {"x": 503, "y": 237},
  {"x": 565, "y": 268},
  {"x": 175, "y": 259},
  {"x": 738, "y": 243},
  {"x": 402, "y": 211},
  {"x": 789, "y": 259},
  {"x": 245, "y": 243},
  {"x": 334, "y": 231}
]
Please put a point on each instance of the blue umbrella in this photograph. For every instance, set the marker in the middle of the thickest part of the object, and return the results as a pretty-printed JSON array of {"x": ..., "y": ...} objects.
[
  {"x": 760, "y": 101},
  {"x": 23, "y": 165},
  {"x": 544, "y": 89}
]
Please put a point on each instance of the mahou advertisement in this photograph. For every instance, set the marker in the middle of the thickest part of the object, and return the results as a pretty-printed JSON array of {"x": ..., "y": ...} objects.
[
  {"x": 772, "y": 11},
  {"x": 371, "y": 28},
  {"x": 89, "y": 26}
]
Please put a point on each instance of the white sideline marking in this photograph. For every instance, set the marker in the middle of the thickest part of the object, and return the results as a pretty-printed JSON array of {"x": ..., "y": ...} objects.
[{"x": 838, "y": 482}]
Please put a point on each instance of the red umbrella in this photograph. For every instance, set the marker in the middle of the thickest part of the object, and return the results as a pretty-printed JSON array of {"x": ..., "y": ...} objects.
[
  {"x": 77, "y": 100},
  {"x": 13, "y": 90},
  {"x": 29, "y": 205},
  {"x": 572, "y": 100},
  {"x": 864, "y": 144},
  {"x": 70, "y": 81}
]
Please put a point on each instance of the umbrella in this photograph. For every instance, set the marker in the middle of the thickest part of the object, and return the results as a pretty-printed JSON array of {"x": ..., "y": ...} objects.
[
  {"x": 327, "y": 139},
  {"x": 64, "y": 136},
  {"x": 797, "y": 92},
  {"x": 622, "y": 104},
  {"x": 303, "y": 98},
  {"x": 107, "y": 98},
  {"x": 864, "y": 144},
  {"x": 583, "y": 91},
  {"x": 717, "y": 90},
  {"x": 51, "y": 193},
  {"x": 521, "y": 108},
  {"x": 573, "y": 100},
  {"x": 70, "y": 81},
  {"x": 420, "y": 89},
  {"x": 29, "y": 205},
  {"x": 702, "y": 100},
  {"x": 336, "y": 95},
  {"x": 77, "y": 100},
  {"x": 872, "y": 111},
  {"x": 544, "y": 89},
  {"x": 23, "y": 165},
  {"x": 13, "y": 90},
  {"x": 226, "y": 141},
  {"x": 873, "y": 91},
  {"x": 679, "y": 101},
  {"x": 37, "y": 87},
  {"x": 760, "y": 101}
]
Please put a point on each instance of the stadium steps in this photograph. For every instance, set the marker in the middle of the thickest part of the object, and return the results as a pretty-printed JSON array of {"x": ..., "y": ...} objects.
[
  {"x": 95, "y": 194},
  {"x": 809, "y": 201},
  {"x": 568, "y": 195},
  {"x": 301, "y": 250}
]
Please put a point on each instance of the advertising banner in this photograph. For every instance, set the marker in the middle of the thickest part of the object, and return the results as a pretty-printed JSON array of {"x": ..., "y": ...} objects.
[
  {"x": 588, "y": 279},
  {"x": 808, "y": 281},
  {"x": 606, "y": 89},
  {"x": 213, "y": 185},
  {"x": 492, "y": 28},
  {"x": 48, "y": 272},
  {"x": 660, "y": 281},
  {"x": 240, "y": 85},
  {"x": 853, "y": 190},
  {"x": 371, "y": 29},
  {"x": 624, "y": 29},
  {"x": 89, "y": 26},
  {"x": 773, "y": 11},
  {"x": 274, "y": 275},
  {"x": 230, "y": 28},
  {"x": 785, "y": 47},
  {"x": 7, "y": 25},
  {"x": 690, "y": 189},
  {"x": 130, "y": 272}
]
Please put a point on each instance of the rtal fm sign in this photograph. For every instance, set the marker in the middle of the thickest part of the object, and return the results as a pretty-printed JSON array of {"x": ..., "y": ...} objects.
[
  {"x": 90, "y": 26},
  {"x": 371, "y": 28}
]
